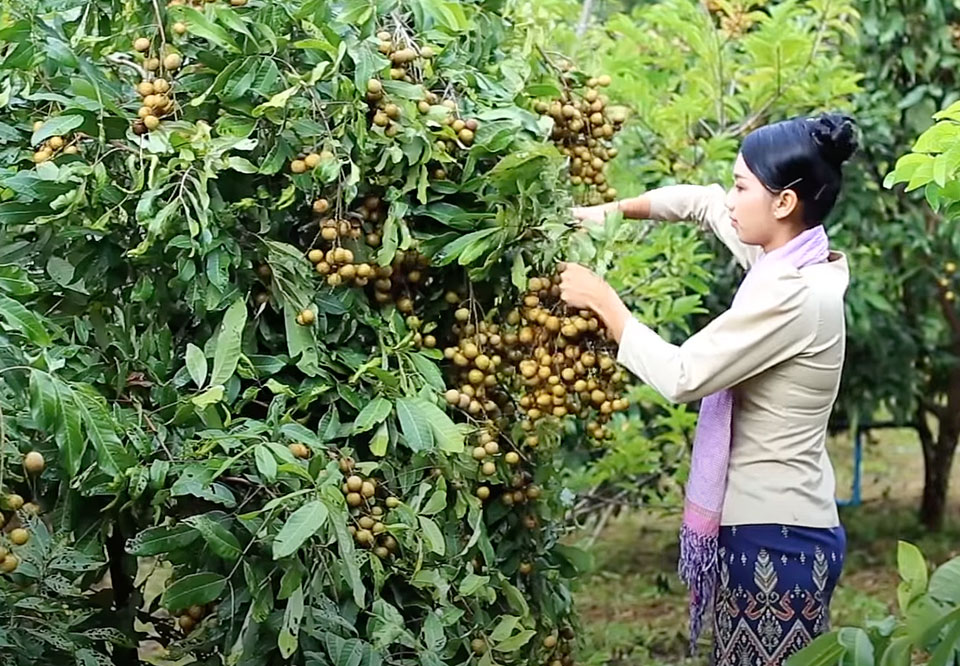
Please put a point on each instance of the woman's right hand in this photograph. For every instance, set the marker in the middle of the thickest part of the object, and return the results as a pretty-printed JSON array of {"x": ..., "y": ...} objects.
[{"x": 589, "y": 214}]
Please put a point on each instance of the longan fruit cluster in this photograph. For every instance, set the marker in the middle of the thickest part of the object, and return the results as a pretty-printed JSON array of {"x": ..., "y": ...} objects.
[
  {"x": 157, "y": 104},
  {"x": 736, "y": 24},
  {"x": 383, "y": 113},
  {"x": 948, "y": 281},
  {"x": 16, "y": 534},
  {"x": 402, "y": 282},
  {"x": 190, "y": 617},
  {"x": 559, "y": 647},
  {"x": 308, "y": 160},
  {"x": 583, "y": 128},
  {"x": 55, "y": 145},
  {"x": 154, "y": 91},
  {"x": 404, "y": 55},
  {"x": 476, "y": 364},
  {"x": 564, "y": 363},
  {"x": 422, "y": 336},
  {"x": 338, "y": 265},
  {"x": 368, "y": 511}
]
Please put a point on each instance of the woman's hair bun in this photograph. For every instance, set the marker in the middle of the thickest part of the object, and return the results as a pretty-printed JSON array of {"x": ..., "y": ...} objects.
[{"x": 835, "y": 136}]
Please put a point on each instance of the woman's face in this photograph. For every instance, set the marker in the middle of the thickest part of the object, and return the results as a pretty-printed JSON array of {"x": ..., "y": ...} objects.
[{"x": 753, "y": 208}]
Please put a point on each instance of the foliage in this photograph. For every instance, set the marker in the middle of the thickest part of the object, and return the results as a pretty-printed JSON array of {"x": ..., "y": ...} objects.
[
  {"x": 203, "y": 395},
  {"x": 928, "y": 622}
]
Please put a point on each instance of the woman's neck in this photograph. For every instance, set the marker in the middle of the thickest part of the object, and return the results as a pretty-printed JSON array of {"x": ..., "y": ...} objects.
[{"x": 784, "y": 235}]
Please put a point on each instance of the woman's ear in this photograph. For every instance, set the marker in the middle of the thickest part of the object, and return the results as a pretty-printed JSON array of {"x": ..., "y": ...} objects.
[{"x": 784, "y": 204}]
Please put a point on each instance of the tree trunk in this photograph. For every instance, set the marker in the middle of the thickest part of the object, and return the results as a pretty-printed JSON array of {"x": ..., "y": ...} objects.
[{"x": 938, "y": 453}]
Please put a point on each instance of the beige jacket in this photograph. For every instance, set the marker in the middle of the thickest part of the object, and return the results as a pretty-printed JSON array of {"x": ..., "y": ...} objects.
[{"x": 781, "y": 349}]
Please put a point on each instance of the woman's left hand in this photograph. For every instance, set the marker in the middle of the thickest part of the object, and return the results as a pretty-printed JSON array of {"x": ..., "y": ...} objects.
[{"x": 581, "y": 288}]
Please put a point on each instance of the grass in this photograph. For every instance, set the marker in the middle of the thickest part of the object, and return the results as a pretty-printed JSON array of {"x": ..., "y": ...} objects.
[{"x": 633, "y": 606}]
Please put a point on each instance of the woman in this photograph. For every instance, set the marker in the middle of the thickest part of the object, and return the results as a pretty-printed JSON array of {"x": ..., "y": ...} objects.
[{"x": 761, "y": 540}]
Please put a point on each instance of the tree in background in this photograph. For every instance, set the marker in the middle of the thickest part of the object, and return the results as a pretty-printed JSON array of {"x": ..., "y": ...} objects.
[{"x": 902, "y": 354}]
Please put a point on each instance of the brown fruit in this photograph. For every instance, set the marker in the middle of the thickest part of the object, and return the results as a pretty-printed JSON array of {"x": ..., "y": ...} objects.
[
  {"x": 393, "y": 502},
  {"x": 479, "y": 453},
  {"x": 145, "y": 88},
  {"x": 179, "y": 27},
  {"x": 321, "y": 206},
  {"x": 312, "y": 160},
  {"x": 354, "y": 499},
  {"x": 483, "y": 492},
  {"x": 299, "y": 450},
  {"x": 307, "y": 316},
  {"x": 489, "y": 468},
  {"x": 382, "y": 552},
  {"x": 151, "y": 122},
  {"x": 19, "y": 536},
  {"x": 151, "y": 64},
  {"x": 525, "y": 568},
  {"x": 478, "y": 645},
  {"x": 512, "y": 458},
  {"x": 33, "y": 462},
  {"x": 173, "y": 61},
  {"x": 315, "y": 256},
  {"x": 141, "y": 44},
  {"x": 10, "y": 563},
  {"x": 161, "y": 86},
  {"x": 367, "y": 489},
  {"x": 196, "y": 612},
  {"x": 13, "y": 502},
  {"x": 354, "y": 483},
  {"x": 298, "y": 166},
  {"x": 492, "y": 448}
]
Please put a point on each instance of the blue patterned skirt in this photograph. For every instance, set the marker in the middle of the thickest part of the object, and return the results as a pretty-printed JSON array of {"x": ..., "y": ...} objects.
[{"x": 773, "y": 591}]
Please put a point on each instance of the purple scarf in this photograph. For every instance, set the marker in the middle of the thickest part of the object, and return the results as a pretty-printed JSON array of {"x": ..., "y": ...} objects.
[{"x": 711, "y": 453}]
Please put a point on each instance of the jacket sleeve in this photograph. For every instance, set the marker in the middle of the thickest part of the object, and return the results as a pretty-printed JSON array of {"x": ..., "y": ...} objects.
[
  {"x": 772, "y": 323},
  {"x": 703, "y": 204}
]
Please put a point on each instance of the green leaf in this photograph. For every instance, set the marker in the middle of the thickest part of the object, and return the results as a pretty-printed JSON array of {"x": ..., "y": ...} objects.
[
  {"x": 278, "y": 101},
  {"x": 432, "y": 535},
  {"x": 55, "y": 127},
  {"x": 472, "y": 583},
  {"x": 196, "y": 364},
  {"x": 375, "y": 411},
  {"x": 380, "y": 441},
  {"x": 913, "y": 570},
  {"x": 300, "y": 526},
  {"x": 221, "y": 540},
  {"x": 23, "y": 321},
  {"x": 70, "y": 439},
  {"x": 195, "y": 589},
  {"x": 447, "y": 434},
  {"x": 292, "y": 617},
  {"x": 158, "y": 540},
  {"x": 414, "y": 425},
  {"x": 515, "y": 642},
  {"x": 518, "y": 274},
  {"x": 14, "y": 280},
  {"x": 113, "y": 457},
  {"x": 266, "y": 463},
  {"x": 211, "y": 396},
  {"x": 944, "y": 654},
  {"x": 504, "y": 628},
  {"x": 200, "y": 26},
  {"x": 858, "y": 646},
  {"x": 44, "y": 401},
  {"x": 945, "y": 583},
  {"x": 824, "y": 651},
  {"x": 229, "y": 343}
]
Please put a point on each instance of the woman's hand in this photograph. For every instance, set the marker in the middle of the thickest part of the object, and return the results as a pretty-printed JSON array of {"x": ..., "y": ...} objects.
[
  {"x": 582, "y": 288},
  {"x": 589, "y": 214}
]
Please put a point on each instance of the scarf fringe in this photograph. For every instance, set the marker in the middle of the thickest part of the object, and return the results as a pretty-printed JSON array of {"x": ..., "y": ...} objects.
[{"x": 698, "y": 569}]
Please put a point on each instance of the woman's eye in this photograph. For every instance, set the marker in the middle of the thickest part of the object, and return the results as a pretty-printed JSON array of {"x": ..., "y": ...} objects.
[{"x": 739, "y": 188}]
